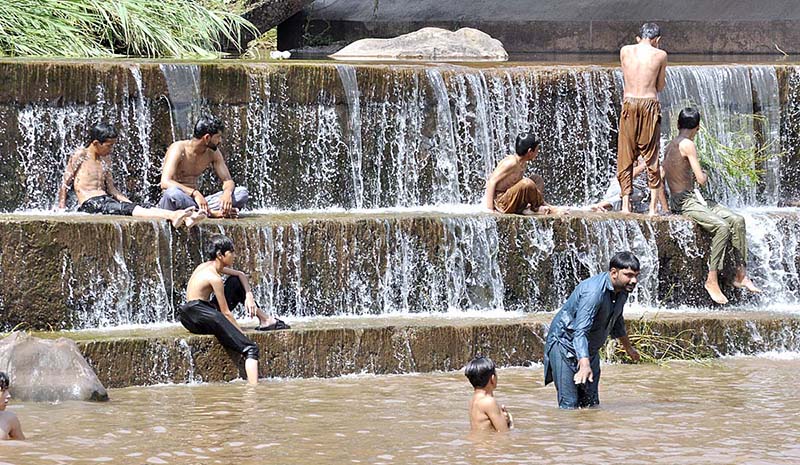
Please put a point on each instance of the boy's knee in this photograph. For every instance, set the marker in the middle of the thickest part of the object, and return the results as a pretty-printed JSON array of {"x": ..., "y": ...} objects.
[
  {"x": 240, "y": 196},
  {"x": 251, "y": 352}
]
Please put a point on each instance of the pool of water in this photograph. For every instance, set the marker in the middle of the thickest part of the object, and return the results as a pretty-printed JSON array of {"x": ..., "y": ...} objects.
[{"x": 740, "y": 410}]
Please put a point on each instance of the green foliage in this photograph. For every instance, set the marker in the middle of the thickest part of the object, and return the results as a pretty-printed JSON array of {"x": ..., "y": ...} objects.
[
  {"x": 657, "y": 348},
  {"x": 95, "y": 28},
  {"x": 739, "y": 163}
]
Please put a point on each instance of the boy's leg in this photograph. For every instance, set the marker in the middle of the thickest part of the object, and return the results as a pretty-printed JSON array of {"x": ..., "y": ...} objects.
[
  {"x": 704, "y": 216},
  {"x": 739, "y": 243},
  {"x": 177, "y": 217},
  {"x": 230, "y": 337},
  {"x": 240, "y": 198},
  {"x": 175, "y": 199}
]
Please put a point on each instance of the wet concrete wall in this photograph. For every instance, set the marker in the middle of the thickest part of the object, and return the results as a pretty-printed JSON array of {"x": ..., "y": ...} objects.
[
  {"x": 126, "y": 361},
  {"x": 572, "y": 26},
  {"x": 87, "y": 272},
  {"x": 321, "y": 136}
]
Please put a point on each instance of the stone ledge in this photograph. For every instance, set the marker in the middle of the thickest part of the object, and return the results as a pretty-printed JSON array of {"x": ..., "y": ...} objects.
[
  {"x": 339, "y": 347},
  {"x": 53, "y": 274}
]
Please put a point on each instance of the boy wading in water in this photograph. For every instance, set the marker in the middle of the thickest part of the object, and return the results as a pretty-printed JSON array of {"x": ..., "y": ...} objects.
[
  {"x": 644, "y": 72},
  {"x": 484, "y": 412},
  {"x": 204, "y": 314},
  {"x": 89, "y": 173},
  {"x": 682, "y": 168},
  {"x": 9, "y": 423}
]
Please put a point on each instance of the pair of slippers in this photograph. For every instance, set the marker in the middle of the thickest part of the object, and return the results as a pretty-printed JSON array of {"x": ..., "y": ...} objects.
[{"x": 279, "y": 324}]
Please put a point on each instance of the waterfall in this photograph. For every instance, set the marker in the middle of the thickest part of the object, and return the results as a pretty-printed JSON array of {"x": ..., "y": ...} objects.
[
  {"x": 183, "y": 82},
  {"x": 350, "y": 83}
]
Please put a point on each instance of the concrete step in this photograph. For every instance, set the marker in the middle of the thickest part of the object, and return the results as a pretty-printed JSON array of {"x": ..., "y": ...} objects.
[
  {"x": 340, "y": 346},
  {"x": 81, "y": 271}
]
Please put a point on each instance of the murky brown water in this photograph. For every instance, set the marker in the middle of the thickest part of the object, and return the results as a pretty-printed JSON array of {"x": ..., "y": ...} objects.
[{"x": 742, "y": 411}]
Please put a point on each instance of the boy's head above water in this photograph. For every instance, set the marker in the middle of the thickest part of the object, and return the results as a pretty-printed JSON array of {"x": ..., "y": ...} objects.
[{"x": 481, "y": 372}]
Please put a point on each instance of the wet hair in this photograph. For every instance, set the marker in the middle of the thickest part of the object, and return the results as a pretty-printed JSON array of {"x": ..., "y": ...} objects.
[
  {"x": 4, "y": 381},
  {"x": 525, "y": 142},
  {"x": 479, "y": 371},
  {"x": 101, "y": 132},
  {"x": 624, "y": 260},
  {"x": 649, "y": 31},
  {"x": 689, "y": 118},
  {"x": 207, "y": 125},
  {"x": 218, "y": 245}
]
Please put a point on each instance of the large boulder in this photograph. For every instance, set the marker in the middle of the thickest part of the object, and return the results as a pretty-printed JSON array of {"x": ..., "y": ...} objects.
[
  {"x": 44, "y": 370},
  {"x": 429, "y": 43}
]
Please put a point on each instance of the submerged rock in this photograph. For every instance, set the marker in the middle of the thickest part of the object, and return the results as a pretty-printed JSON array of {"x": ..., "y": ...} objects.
[
  {"x": 429, "y": 43},
  {"x": 45, "y": 370}
]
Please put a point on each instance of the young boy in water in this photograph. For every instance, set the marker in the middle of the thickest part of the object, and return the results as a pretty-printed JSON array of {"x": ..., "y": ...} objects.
[
  {"x": 485, "y": 414},
  {"x": 9, "y": 423}
]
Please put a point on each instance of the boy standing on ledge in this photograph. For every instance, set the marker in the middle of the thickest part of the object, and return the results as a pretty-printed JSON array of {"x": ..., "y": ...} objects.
[{"x": 644, "y": 69}]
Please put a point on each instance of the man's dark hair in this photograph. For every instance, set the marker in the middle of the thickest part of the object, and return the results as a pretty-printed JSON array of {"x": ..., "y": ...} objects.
[
  {"x": 479, "y": 371},
  {"x": 689, "y": 118},
  {"x": 101, "y": 132},
  {"x": 4, "y": 381},
  {"x": 624, "y": 260},
  {"x": 525, "y": 142},
  {"x": 649, "y": 31},
  {"x": 208, "y": 125},
  {"x": 218, "y": 245}
]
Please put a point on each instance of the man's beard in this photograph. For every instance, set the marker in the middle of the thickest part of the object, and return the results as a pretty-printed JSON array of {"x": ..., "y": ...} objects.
[
  {"x": 211, "y": 146},
  {"x": 630, "y": 287}
]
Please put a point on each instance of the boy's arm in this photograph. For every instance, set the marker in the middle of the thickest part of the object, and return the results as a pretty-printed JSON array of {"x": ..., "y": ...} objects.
[
  {"x": 491, "y": 184},
  {"x": 111, "y": 188},
  {"x": 689, "y": 150},
  {"x": 249, "y": 300},
  {"x": 69, "y": 177},
  {"x": 224, "y": 175},
  {"x": 661, "y": 82},
  {"x": 16, "y": 430},
  {"x": 219, "y": 291},
  {"x": 495, "y": 413}
]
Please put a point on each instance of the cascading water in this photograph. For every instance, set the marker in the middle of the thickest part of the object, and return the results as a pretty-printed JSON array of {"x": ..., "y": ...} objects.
[
  {"x": 183, "y": 82},
  {"x": 365, "y": 137}
]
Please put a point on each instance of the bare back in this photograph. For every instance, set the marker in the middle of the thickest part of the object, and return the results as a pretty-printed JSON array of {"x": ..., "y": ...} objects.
[
  {"x": 509, "y": 171},
  {"x": 184, "y": 166},
  {"x": 677, "y": 169},
  {"x": 89, "y": 175},
  {"x": 643, "y": 69},
  {"x": 478, "y": 417}
]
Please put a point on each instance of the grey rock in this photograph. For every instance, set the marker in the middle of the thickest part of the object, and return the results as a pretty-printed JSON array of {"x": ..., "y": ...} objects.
[
  {"x": 429, "y": 43},
  {"x": 44, "y": 370}
]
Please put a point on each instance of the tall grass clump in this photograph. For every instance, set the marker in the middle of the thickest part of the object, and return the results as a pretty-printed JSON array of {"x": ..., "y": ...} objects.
[{"x": 96, "y": 28}]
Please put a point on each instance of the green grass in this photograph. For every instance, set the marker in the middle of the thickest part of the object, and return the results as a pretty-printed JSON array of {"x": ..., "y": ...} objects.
[{"x": 97, "y": 28}]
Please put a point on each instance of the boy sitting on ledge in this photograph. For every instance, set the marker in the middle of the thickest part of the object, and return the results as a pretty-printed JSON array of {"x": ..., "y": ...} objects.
[
  {"x": 204, "y": 314},
  {"x": 89, "y": 173}
]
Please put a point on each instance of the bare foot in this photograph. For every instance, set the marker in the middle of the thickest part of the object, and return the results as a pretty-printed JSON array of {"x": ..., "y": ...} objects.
[
  {"x": 195, "y": 219},
  {"x": 529, "y": 212},
  {"x": 716, "y": 294},
  {"x": 180, "y": 216},
  {"x": 747, "y": 284}
]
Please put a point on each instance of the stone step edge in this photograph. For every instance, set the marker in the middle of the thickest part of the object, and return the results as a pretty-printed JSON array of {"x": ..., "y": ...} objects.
[{"x": 398, "y": 349}]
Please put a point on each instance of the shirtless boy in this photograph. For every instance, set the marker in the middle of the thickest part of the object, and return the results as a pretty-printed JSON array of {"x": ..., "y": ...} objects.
[
  {"x": 682, "y": 168},
  {"x": 204, "y": 314},
  {"x": 9, "y": 423},
  {"x": 89, "y": 173},
  {"x": 484, "y": 412},
  {"x": 508, "y": 191},
  {"x": 644, "y": 72},
  {"x": 186, "y": 160}
]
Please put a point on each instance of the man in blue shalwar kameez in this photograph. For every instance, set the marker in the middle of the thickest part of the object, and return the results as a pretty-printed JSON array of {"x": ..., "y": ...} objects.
[{"x": 578, "y": 331}]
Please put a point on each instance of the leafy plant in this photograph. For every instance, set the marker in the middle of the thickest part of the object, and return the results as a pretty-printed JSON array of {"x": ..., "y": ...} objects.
[
  {"x": 96, "y": 28},
  {"x": 740, "y": 163},
  {"x": 656, "y": 348}
]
